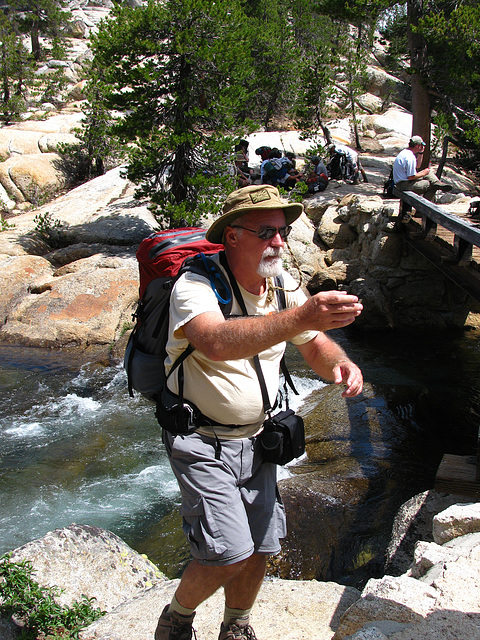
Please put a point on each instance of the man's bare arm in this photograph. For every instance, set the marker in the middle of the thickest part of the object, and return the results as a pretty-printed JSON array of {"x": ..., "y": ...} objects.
[
  {"x": 221, "y": 339},
  {"x": 331, "y": 362}
]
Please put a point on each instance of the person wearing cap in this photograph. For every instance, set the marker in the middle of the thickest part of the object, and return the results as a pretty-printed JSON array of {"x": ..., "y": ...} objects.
[
  {"x": 407, "y": 177},
  {"x": 232, "y": 511}
]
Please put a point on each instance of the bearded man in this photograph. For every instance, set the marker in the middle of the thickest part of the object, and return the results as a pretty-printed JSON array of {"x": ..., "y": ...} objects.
[{"x": 232, "y": 512}]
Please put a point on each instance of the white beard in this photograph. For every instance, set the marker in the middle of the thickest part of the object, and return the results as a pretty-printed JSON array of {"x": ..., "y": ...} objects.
[{"x": 271, "y": 263}]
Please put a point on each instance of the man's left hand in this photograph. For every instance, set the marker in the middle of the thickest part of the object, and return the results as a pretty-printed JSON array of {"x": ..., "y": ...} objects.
[{"x": 348, "y": 373}]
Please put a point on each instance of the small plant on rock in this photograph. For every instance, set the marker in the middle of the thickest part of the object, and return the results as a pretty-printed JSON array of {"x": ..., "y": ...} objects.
[
  {"x": 49, "y": 229},
  {"x": 34, "y": 607},
  {"x": 5, "y": 224}
]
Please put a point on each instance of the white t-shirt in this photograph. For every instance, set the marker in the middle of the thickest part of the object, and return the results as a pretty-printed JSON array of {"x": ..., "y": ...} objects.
[
  {"x": 405, "y": 165},
  {"x": 228, "y": 392},
  {"x": 350, "y": 153}
]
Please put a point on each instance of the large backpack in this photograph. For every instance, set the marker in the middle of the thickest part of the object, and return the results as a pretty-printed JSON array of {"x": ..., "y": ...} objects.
[
  {"x": 162, "y": 258},
  {"x": 388, "y": 186},
  {"x": 270, "y": 175},
  {"x": 337, "y": 166}
]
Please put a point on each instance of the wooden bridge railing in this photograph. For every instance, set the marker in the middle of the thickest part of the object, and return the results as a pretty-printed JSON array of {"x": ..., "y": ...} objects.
[
  {"x": 456, "y": 474},
  {"x": 453, "y": 257},
  {"x": 466, "y": 236}
]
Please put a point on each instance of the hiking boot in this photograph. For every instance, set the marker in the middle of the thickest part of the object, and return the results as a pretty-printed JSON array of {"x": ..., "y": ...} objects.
[
  {"x": 238, "y": 630},
  {"x": 173, "y": 626}
]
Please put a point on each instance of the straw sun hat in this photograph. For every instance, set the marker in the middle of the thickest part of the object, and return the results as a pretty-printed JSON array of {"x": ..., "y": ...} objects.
[{"x": 257, "y": 197}]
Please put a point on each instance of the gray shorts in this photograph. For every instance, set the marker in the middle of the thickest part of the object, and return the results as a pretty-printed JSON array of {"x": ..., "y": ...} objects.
[{"x": 231, "y": 507}]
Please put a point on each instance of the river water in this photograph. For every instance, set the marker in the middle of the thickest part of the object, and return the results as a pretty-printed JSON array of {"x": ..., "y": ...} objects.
[{"x": 74, "y": 447}]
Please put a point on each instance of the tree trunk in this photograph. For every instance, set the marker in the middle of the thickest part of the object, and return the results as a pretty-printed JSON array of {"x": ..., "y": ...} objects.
[
  {"x": 355, "y": 122},
  {"x": 324, "y": 128},
  {"x": 421, "y": 107},
  {"x": 35, "y": 40},
  {"x": 5, "y": 82},
  {"x": 443, "y": 159}
]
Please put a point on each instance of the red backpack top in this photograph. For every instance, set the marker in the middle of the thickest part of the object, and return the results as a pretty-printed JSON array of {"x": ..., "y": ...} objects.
[{"x": 163, "y": 253}]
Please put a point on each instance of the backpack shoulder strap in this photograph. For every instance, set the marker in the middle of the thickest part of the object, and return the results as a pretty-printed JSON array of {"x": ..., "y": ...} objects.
[
  {"x": 204, "y": 266},
  {"x": 282, "y": 304},
  {"x": 280, "y": 292}
]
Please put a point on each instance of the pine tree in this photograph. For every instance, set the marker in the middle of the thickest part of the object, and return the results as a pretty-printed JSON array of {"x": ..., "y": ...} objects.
[
  {"x": 97, "y": 150},
  {"x": 16, "y": 70},
  {"x": 272, "y": 83},
  {"x": 317, "y": 63},
  {"x": 441, "y": 42},
  {"x": 175, "y": 71},
  {"x": 40, "y": 18}
]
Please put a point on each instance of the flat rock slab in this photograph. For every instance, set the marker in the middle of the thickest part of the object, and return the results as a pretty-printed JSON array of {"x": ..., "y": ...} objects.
[{"x": 287, "y": 609}]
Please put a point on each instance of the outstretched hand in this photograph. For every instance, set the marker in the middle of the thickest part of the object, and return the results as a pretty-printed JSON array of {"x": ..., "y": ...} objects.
[
  {"x": 332, "y": 310},
  {"x": 348, "y": 373}
]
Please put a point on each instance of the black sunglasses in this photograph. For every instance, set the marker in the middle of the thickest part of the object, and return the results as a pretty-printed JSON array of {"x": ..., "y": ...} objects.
[{"x": 267, "y": 233}]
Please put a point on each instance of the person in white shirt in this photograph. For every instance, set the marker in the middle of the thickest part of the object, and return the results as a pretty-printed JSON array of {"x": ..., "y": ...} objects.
[
  {"x": 232, "y": 511},
  {"x": 351, "y": 158},
  {"x": 407, "y": 177}
]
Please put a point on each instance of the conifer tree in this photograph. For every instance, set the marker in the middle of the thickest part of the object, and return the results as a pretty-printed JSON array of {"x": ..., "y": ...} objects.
[
  {"x": 96, "y": 150},
  {"x": 441, "y": 41},
  {"x": 272, "y": 83},
  {"x": 175, "y": 71},
  {"x": 40, "y": 18},
  {"x": 451, "y": 33},
  {"x": 16, "y": 69},
  {"x": 317, "y": 63}
]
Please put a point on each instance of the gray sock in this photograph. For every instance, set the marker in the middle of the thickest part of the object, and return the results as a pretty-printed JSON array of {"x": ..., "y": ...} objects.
[
  {"x": 177, "y": 607},
  {"x": 232, "y": 615}
]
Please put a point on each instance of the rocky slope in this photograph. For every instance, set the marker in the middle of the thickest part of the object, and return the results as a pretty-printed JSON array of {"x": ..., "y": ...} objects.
[
  {"x": 29, "y": 172},
  {"x": 70, "y": 276}
]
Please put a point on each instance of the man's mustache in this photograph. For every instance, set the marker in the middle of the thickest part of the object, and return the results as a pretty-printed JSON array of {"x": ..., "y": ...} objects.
[{"x": 272, "y": 252}]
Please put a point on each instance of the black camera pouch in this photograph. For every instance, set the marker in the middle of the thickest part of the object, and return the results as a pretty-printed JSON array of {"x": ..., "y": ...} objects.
[
  {"x": 283, "y": 437},
  {"x": 175, "y": 414}
]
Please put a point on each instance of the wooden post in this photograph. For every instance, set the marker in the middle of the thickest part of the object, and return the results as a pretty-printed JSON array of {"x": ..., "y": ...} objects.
[{"x": 477, "y": 474}]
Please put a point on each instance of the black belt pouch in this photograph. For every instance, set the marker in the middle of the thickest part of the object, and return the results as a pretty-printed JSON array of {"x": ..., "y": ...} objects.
[{"x": 283, "y": 437}]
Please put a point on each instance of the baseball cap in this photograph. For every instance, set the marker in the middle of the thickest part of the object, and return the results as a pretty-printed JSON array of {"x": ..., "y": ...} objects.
[
  {"x": 258, "y": 197},
  {"x": 417, "y": 140}
]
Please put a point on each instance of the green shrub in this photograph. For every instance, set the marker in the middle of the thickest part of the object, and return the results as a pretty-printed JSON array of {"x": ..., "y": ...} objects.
[
  {"x": 50, "y": 230},
  {"x": 34, "y": 607}
]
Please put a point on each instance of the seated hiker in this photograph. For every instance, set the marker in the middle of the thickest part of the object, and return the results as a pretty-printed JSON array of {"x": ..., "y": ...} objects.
[
  {"x": 343, "y": 163},
  {"x": 317, "y": 180},
  {"x": 242, "y": 170},
  {"x": 263, "y": 152},
  {"x": 407, "y": 177},
  {"x": 271, "y": 170},
  {"x": 292, "y": 176}
]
